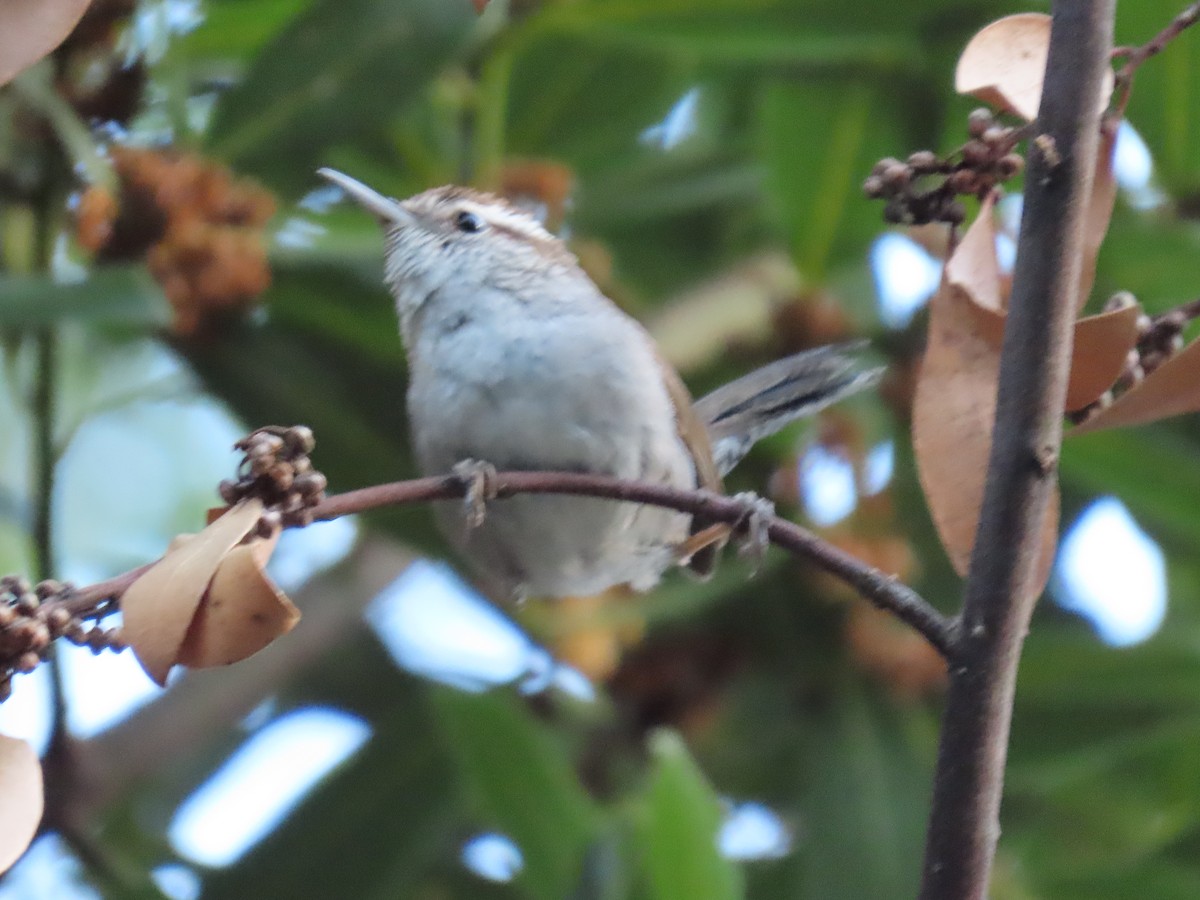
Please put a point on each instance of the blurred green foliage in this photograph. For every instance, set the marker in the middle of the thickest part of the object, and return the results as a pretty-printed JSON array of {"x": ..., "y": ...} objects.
[{"x": 745, "y": 688}]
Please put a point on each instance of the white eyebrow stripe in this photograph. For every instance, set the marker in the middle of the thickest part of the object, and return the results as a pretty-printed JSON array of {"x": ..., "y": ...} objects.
[{"x": 510, "y": 218}]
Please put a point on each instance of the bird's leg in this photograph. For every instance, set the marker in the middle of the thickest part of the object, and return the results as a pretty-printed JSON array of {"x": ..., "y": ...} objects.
[{"x": 479, "y": 479}]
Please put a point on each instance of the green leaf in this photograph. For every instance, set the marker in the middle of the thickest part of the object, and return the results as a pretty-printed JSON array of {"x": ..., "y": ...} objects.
[
  {"x": 679, "y": 831},
  {"x": 237, "y": 29},
  {"x": 523, "y": 785},
  {"x": 587, "y": 104},
  {"x": 338, "y": 72},
  {"x": 865, "y": 802},
  {"x": 810, "y": 181},
  {"x": 723, "y": 32},
  {"x": 35, "y": 87},
  {"x": 111, "y": 295}
]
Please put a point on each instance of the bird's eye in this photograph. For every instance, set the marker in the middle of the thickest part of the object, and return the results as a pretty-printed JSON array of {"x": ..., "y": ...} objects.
[{"x": 468, "y": 222}]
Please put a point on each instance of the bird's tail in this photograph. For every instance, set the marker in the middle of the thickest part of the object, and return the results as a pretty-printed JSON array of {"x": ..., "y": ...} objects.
[{"x": 759, "y": 404}]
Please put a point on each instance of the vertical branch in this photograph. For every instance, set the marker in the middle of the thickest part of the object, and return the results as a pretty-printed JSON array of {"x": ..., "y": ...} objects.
[
  {"x": 43, "y": 409},
  {"x": 45, "y": 461},
  {"x": 1022, "y": 471}
]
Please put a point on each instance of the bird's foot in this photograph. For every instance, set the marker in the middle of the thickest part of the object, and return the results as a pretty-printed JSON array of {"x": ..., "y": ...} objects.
[
  {"x": 754, "y": 525},
  {"x": 479, "y": 480}
]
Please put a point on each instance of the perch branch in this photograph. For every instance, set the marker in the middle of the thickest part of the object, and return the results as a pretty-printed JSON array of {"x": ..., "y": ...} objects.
[{"x": 884, "y": 590}]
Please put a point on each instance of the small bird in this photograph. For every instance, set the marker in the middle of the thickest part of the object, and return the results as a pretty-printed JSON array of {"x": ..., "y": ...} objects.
[{"x": 518, "y": 360}]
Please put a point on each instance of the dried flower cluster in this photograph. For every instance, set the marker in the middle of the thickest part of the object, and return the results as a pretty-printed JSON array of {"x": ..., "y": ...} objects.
[
  {"x": 1158, "y": 339},
  {"x": 30, "y": 620},
  {"x": 276, "y": 469},
  {"x": 199, "y": 229},
  {"x": 925, "y": 188}
]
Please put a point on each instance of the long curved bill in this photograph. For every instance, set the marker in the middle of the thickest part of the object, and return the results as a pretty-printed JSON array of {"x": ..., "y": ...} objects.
[{"x": 383, "y": 208}]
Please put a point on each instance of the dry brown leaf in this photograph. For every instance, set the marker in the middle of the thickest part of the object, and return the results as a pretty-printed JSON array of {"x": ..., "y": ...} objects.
[
  {"x": 953, "y": 409},
  {"x": 241, "y": 612},
  {"x": 20, "y": 799},
  {"x": 973, "y": 265},
  {"x": 1170, "y": 390},
  {"x": 1102, "y": 344},
  {"x": 159, "y": 607},
  {"x": 955, "y": 405},
  {"x": 31, "y": 29},
  {"x": 1100, "y": 208},
  {"x": 1004, "y": 63}
]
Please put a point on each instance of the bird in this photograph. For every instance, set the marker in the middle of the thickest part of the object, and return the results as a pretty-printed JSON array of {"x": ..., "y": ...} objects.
[{"x": 518, "y": 361}]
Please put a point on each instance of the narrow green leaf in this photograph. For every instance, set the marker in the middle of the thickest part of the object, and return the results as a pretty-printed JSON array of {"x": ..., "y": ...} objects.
[
  {"x": 35, "y": 87},
  {"x": 865, "y": 801},
  {"x": 811, "y": 181},
  {"x": 523, "y": 785},
  {"x": 341, "y": 69},
  {"x": 111, "y": 295},
  {"x": 680, "y": 829},
  {"x": 235, "y": 29}
]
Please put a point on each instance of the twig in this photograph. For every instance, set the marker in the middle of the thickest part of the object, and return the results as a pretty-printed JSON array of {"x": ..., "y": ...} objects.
[
  {"x": 1022, "y": 469},
  {"x": 1135, "y": 56},
  {"x": 885, "y": 591}
]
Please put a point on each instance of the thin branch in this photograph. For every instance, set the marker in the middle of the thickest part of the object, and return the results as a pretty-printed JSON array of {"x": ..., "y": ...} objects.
[
  {"x": 1135, "y": 56},
  {"x": 1022, "y": 470},
  {"x": 884, "y": 590}
]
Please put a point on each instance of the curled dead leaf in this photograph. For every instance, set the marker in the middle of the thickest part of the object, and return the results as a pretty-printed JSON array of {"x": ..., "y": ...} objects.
[
  {"x": 159, "y": 607},
  {"x": 32, "y": 28},
  {"x": 1170, "y": 390},
  {"x": 241, "y": 612},
  {"x": 953, "y": 409},
  {"x": 1005, "y": 62},
  {"x": 973, "y": 266},
  {"x": 1102, "y": 344},
  {"x": 1100, "y": 208},
  {"x": 955, "y": 402},
  {"x": 21, "y": 798}
]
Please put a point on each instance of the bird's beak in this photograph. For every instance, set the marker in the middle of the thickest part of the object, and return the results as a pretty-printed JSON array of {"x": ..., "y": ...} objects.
[{"x": 387, "y": 210}]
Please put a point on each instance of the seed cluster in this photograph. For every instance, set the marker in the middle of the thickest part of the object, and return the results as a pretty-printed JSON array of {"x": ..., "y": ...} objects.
[
  {"x": 198, "y": 228},
  {"x": 31, "y": 618},
  {"x": 925, "y": 188},
  {"x": 276, "y": 469}
]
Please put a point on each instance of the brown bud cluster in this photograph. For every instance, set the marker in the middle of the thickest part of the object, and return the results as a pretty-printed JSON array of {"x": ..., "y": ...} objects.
[
  {"x": 924, "y": 188},
  {"x": 31, "y": 617},
  {"x": 276, "y": 469},
  {"x": 1159, "y": 338},
  {"x": 198, "y": 228}
]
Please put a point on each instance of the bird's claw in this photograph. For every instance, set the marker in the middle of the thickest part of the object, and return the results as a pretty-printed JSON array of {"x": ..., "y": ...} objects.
[
  {"x": 754, "y": 525},
  {"x": 479, "y": 480}
]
